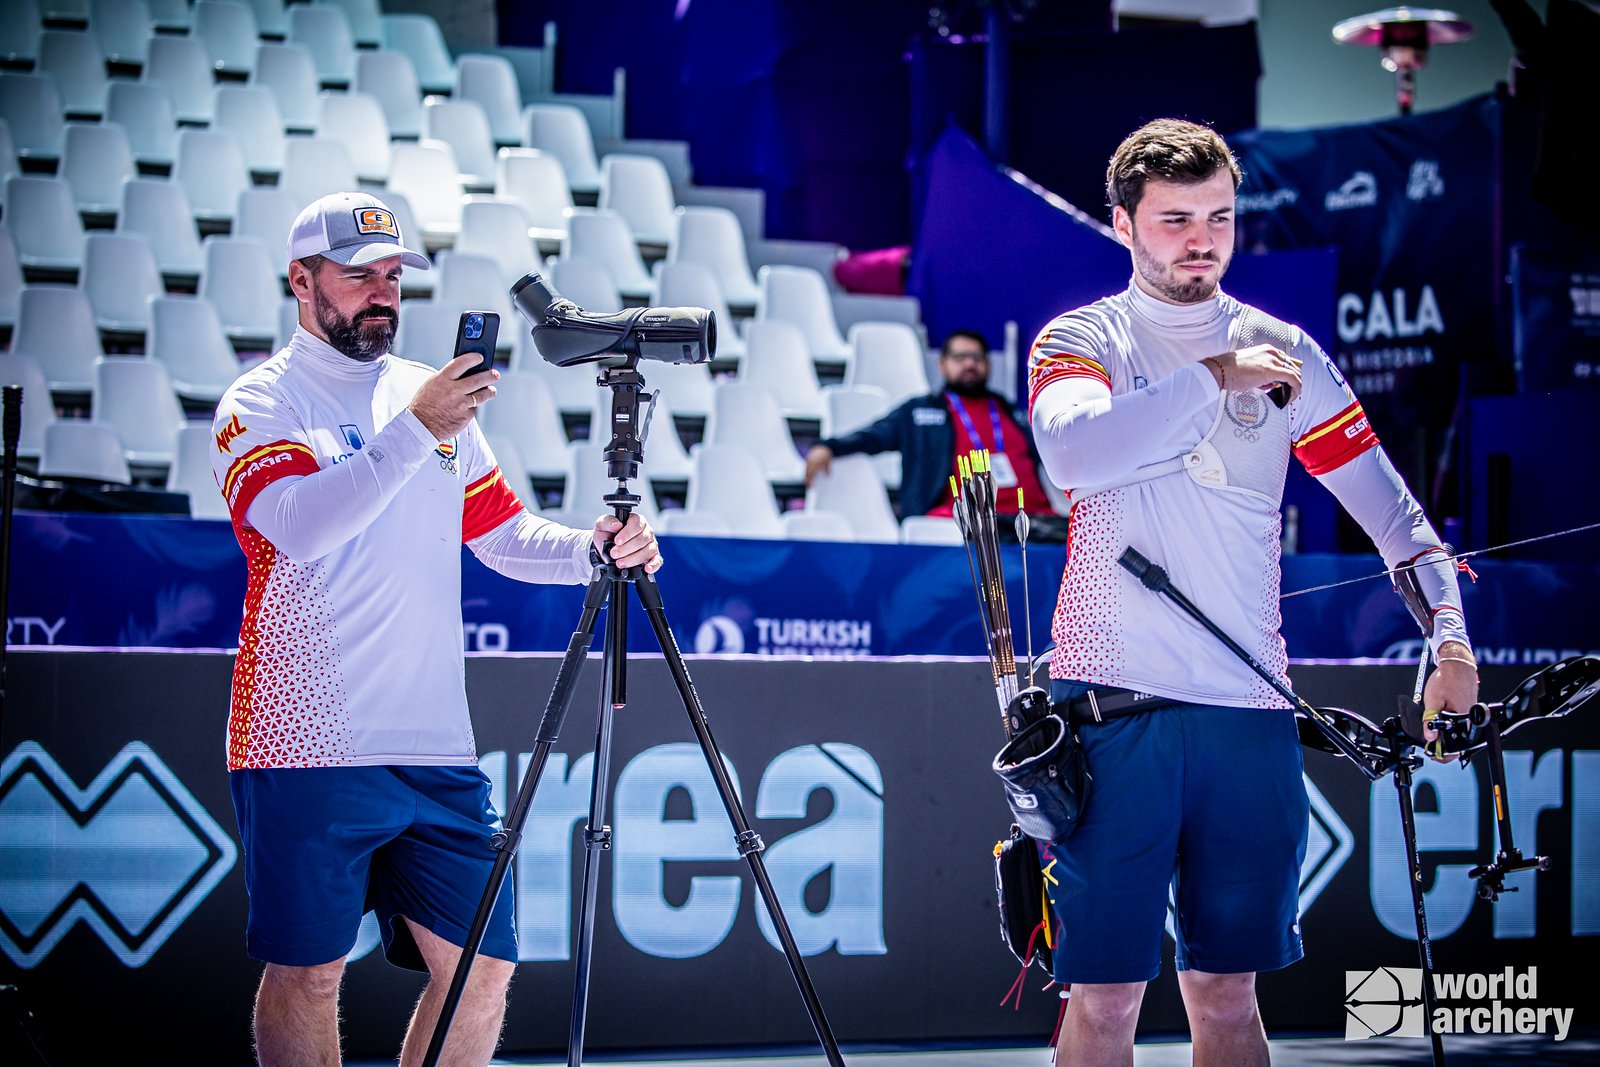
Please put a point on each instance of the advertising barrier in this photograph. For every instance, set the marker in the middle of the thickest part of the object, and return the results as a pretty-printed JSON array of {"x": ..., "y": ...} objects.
[{"x": 121, "y": 892}]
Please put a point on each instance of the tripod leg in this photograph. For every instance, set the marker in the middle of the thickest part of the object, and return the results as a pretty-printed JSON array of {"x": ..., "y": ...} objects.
[
  {"x": 1408, "y": 826},
  {"x": 510, "y": 836},
  {"x": 749, "y": 842},
  {"x": 596, "y": 834}
]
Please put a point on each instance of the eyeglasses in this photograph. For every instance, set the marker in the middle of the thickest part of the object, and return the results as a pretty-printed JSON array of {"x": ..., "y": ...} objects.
[{"x": 967, "y": 355}]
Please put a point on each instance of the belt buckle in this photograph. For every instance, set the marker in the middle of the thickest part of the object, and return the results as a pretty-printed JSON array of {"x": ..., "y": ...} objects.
[{"x": 1094, "y": 706}]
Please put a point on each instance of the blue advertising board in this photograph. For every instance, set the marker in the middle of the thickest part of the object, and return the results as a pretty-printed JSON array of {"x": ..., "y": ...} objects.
[{"x": 135, "y": 581}]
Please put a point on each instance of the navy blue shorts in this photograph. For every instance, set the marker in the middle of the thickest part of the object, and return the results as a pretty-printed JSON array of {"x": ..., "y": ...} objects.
[
  {"x": 325, "y": 845},
  {"x": 1205, "y": 802}
]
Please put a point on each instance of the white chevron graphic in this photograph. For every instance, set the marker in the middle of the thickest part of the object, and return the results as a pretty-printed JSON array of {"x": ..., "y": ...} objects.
[{"x": 130, "y": 856}]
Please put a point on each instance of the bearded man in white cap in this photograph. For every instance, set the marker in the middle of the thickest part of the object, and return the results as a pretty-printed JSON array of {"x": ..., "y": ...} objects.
[{"x": 352, "y": 476}]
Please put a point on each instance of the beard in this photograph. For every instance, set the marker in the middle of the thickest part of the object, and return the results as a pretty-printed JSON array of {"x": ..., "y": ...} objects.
[
  {"x": 968, "y": 387},
  {"x": 363, "y": 338},
  {"x": 1165, "y": 280}
]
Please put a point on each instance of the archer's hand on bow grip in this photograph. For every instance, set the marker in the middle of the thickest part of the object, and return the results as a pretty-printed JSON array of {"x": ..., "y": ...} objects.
[
  {"x": 1451, "y": 692},
  {"x": 1445, "y": 735}
]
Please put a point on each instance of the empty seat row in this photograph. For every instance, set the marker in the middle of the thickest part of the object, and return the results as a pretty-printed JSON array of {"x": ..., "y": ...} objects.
[
  {"x": 134, "y": 396},
  {"x": 227, "y": 32},
  {"x": 285, "y": 98},
  {"x": 71, "y": 80},
  {"x": 845, "y": 505},
  {"x": 727, "y": 481},
  {"x": 92, "y": 451},
  {"x": 118, "y": 276},
  {"x": 215, "y": 164},
  {"x": 242, "y": 277},
  {"x": 185, "y": 334},
  {"x": 728, "y": 498},
  {"x": 458, "y": 158}
]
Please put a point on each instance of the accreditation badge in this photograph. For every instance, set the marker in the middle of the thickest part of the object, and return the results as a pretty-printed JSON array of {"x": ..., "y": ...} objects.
[{"x": 1005, "y": 476}]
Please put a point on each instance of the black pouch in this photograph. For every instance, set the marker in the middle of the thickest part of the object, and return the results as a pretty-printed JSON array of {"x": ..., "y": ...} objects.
[
  {"x": 1024, "y": 908},
  {"x": 1046, "y": 778}
]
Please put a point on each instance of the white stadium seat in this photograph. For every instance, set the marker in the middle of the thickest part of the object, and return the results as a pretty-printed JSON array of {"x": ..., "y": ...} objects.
[
  {"x": 120, "y": 277},
  {"x": 727, "y": 480},
  {"x": 562, "y": 130},
  {"x": 134, "y": 396},
  {"x": 851, "y": 487},
  {"x": 800, "y": 295},
  {"x": 55, "y": 326},
  {"x": 90, "y": 451}
]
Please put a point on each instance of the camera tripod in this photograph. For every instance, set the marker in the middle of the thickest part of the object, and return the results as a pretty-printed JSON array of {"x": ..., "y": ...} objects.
[{"x": 608, "y": 587}]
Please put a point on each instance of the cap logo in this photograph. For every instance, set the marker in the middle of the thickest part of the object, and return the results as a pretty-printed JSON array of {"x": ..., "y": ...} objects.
[{"x": 376, "y": 220}]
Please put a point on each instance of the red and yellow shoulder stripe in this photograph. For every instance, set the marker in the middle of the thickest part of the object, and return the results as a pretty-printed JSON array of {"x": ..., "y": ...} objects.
[
  {"x": 260, "y": 467},
  {"x": 1045, "y": 369},
  {"x": 1331, "y": 444},
  {"x": 489, "y": 502}
]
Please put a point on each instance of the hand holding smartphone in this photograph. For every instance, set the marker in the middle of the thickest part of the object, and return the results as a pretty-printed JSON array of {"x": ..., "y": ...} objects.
[{"x": 476, "y": 334}]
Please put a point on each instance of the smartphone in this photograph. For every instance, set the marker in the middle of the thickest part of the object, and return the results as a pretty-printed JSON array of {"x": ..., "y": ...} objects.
[{"x": 476, "y": 334}]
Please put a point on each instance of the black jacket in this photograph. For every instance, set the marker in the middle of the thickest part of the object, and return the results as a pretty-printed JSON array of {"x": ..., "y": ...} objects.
[{"x": 920, "y": 431}]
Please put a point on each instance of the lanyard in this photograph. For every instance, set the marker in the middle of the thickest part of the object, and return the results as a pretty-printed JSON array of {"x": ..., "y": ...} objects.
[{"x": 972, "y": 431}]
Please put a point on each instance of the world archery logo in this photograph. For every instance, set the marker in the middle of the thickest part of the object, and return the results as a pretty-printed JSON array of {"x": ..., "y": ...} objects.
[
  {"x": 131, "y": 856},
  {"x": 1383, "y": 1002},
  {"x": 1392, "y": 1002}
]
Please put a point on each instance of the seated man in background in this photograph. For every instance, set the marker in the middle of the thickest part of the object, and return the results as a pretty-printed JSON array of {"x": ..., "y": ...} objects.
[{"x": 930, "y": 431}]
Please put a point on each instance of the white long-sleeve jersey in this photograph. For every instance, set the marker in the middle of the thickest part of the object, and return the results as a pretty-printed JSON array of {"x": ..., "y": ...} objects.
[
  {"x": 1156, "y": 457},
  {"x": 351, "y": 516}
]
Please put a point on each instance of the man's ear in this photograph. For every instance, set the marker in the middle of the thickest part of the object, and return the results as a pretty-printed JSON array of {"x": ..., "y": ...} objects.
[
  {"x": 1122, "y": 224},
  {"x": 300, "y": 281}
]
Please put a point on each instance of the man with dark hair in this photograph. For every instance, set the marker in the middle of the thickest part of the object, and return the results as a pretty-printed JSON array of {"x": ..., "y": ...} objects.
[
  {"x": 353, "y": 478},
  {"x": 1155, "y": 409},
  {"x": 930, "y": 431}
]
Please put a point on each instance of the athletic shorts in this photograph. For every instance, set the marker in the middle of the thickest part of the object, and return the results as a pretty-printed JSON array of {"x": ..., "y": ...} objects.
[
  {"x": 325, "y": 845},
  {"x": 1205, "y": 802}
]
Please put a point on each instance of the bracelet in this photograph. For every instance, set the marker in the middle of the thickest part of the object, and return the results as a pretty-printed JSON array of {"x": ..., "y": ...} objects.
[
  {"x": 1222, "y": 372},
  {"x": 1457, "y": 659}
]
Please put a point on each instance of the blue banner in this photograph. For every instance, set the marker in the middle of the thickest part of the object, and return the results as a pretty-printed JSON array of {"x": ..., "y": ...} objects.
[
  {"x": 1408, "y": 203},
  {"x": 135, "y": 581},
  {"x": 1555, "y": 295}
]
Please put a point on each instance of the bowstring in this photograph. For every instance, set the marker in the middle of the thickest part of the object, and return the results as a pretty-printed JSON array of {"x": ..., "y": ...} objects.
[{"x": 1452, "y": 557}]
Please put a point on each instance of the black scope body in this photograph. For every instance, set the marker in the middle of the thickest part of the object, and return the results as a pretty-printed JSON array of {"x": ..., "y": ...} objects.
[{"x": 565, "y": 334}]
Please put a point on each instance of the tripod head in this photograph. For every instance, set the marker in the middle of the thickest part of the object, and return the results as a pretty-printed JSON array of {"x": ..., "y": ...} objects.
[{"x": 625, "y": 450}]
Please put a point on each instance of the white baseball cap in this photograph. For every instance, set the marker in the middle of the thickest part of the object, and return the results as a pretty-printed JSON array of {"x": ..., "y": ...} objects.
[{"x": 350, "y": 228}]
